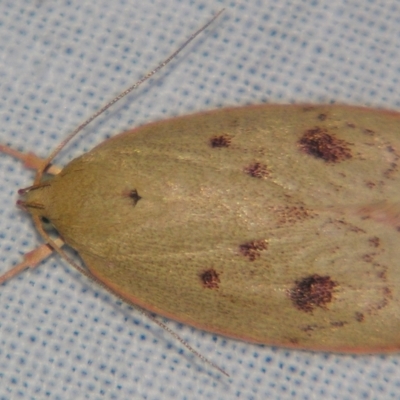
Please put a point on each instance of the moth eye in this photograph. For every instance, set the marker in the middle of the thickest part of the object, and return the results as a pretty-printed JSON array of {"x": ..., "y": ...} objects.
[{"x": 45, "y": 220}]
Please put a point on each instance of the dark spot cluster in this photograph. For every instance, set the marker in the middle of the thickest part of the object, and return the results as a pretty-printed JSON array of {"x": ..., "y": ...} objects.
[
  {"x": 210, "y": 279},
  {"x": 391, "y": 170},
  {"x": 393, "y": 166},
  {"x": 381, "y": 271},
  {"x": 311, "y": 292},
  {"x": 252, "y": 250},
  {"x": 220, "y": 141},
  {"x": 390, "y": 149},
  {"x": 338, "y": 324},
  {"x": 293, "y": 214},
  {"x": 374, "y": 241},
  {"x": 257, "y": 170},
  {"x": 359, "y": 316},
  {"x": 321, "y": 144},
  {"x": 382, "y": 302},
  {"x": 369, "y": 257},
  {"x": 370, "y": 184},
  {"x": 386, "y": 297}
]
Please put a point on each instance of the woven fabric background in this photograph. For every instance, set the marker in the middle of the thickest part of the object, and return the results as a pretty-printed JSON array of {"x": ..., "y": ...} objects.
[{"x": 61, "y": 336}]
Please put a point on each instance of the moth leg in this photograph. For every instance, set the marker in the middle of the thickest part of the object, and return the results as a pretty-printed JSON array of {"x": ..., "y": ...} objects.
[
  {"x": 31, "y": 260},
  {"x": 30, "y": 160}
]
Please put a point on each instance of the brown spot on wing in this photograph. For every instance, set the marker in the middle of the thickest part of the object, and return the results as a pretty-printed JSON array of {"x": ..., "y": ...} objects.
[
  {"x": 312, "y": 291},
  {"x": 338, "y": 324},
  {"x": 369, "y": 132},
  {"x": 321, "y": 144},
  {"x": 370, "y": 184},
  {"x": 210, "y": 279},
  {"x": 292, "y": 214},
  {"x": 359, "y": 317},
  {"x": 252, "y": 250},
  {"x": 257, "y": 170},
  {"x": 393, "y": 166},
  {"x": 220, "y": 141},
  {"x": 386, "y": 297},
  {"x": 374, "y": 241}
]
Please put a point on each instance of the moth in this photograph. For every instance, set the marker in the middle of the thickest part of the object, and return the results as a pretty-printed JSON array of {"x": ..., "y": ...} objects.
[{"x": 274, "y": 224}]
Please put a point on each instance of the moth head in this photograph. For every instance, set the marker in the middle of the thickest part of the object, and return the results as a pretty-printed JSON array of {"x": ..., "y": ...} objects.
[{"x": 35, "y": 199}]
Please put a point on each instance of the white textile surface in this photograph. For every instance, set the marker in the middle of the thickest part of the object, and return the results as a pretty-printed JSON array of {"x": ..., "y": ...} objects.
[{"x": 63, "y": 337}]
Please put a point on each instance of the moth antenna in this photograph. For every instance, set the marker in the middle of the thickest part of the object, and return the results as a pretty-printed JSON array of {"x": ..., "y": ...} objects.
[
  {"x": 48, "y": 160},
  {"x": 179, "y": 339}
]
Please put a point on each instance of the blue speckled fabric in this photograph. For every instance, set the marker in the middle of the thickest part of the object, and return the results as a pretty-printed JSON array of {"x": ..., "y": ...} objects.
[{"x": 62, "y": 337}]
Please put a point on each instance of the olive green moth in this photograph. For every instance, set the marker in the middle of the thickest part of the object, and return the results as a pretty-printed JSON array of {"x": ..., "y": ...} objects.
[{"x": 219, "y": 211}]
